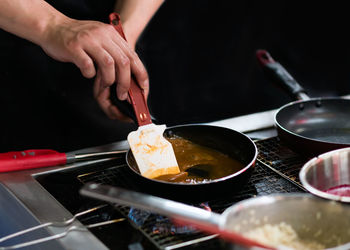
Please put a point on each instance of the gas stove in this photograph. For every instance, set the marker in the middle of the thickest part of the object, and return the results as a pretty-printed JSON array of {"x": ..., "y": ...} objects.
[{"x": 57, "y": 189}]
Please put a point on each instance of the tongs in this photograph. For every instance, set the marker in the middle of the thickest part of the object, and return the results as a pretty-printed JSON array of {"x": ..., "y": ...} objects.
[
  {"x": 67, "y": 224},
  {"x": 154, "y": 155},
  {"x": 36, "y": 158}
]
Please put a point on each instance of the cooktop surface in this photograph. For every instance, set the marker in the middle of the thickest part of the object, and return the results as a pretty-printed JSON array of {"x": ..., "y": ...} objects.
[{"x": 276, "y": 171}]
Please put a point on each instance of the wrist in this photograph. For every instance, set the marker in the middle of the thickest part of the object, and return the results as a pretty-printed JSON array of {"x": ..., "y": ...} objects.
[
  {"x": 130, "y": 34},
  {"x": 45, "y": 26}
]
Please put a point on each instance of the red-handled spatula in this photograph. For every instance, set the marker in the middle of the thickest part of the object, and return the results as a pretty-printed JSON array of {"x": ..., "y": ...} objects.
[{"x": 154, "y": 155}]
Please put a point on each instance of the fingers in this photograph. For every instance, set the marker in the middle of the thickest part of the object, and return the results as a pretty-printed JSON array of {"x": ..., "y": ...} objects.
[
  {"x": 97, "y": 49},
  {"x": 102, "y": 97},
  {"x": 84, "y": 63},
  {"x": 116, "y": 65},
  {"x": 114, "y": 58},
  {"x": 140, "y": 74},
  {"x": 133, "y": 62}
]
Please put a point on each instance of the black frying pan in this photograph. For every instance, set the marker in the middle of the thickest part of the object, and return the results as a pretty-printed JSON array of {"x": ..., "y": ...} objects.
[
  {"x": 230, "y": 142},
  {"x": 310, "y": 125}
]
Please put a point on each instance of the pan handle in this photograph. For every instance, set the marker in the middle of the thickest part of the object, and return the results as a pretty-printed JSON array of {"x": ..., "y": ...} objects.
[
  {"x": 150, "y": 203},
  {"x": 179, "y": 212},
  {"x": 280, "y": 76}
]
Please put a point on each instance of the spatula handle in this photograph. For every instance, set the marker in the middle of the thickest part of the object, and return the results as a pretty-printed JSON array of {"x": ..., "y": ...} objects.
[
  {"x": 137, "y": 97},
  {"x": 29, "y": 159}
]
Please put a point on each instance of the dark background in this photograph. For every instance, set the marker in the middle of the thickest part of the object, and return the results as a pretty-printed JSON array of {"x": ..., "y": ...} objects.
[{"x": 200, "y": 56}]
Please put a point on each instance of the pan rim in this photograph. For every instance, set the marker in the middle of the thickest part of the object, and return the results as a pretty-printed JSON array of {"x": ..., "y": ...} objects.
[
  {"x": 278, "y": 124},
  {"x": 273, "y": 198},
  {"x": 248, "y": 166}
]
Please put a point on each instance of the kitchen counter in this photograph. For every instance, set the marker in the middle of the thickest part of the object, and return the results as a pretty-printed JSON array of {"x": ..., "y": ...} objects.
[{"x": 25, "y": 203}]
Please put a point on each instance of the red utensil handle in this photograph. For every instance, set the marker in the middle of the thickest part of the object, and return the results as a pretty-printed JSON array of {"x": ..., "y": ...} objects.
[
  {"x": 29, "y": 159},
  {"x": 137, "y": 97}
]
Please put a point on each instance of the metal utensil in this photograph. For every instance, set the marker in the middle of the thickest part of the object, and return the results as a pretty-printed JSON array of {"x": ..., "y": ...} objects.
[
  {"x": 36, "y": 158},
  {"x": 179, "y": 212},
  {"x": 200, "y": 170},
  {"x": 67, "y": 224}
]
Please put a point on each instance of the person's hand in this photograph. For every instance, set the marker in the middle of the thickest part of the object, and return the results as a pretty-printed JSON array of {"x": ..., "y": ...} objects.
[{"x": 90, "y": 43}]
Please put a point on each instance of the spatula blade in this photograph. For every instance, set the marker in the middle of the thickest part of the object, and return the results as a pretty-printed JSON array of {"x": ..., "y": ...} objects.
[{"x": 154, "y": 154}]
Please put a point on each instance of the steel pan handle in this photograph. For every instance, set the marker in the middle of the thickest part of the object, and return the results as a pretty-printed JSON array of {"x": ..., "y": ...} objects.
[
  {"x": 178, "y": 212},
  {"x": 280, "y": 76}
]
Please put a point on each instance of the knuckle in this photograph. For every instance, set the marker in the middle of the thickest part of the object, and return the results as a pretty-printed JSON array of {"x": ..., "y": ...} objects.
[
  {"x": 110, "y": 28},
  {"x": 83, "y": 35},
  {"x": 124, "y": 62},
  {"x": 72, "y": 44},
  {"x": 143, "y": 74},
  {"x": 86, "y": 64},
  {"x": 87, "y": 68},
  {"x": 108, "y": 61}
]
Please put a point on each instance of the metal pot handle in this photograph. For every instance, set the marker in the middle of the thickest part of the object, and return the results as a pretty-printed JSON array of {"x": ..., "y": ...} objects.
[
  {"x": 178, "y": 212},
  {"x": 172, "y": 209},
  {"x": 280, "y": 76}
]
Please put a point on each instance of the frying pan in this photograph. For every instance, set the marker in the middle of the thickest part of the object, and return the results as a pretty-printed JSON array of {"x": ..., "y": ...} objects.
[
  {"x": 310, "y": 126},
  {"x": 230, "y": 142}
]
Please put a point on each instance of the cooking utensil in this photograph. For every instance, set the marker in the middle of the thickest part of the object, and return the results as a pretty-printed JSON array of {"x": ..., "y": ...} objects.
[
  {"x": 229, "y": 142},
  {"x": 313, "y": 219},
  {"x": 310, "y": 126},
  {"x": 328, "y": 175},
  {"x": 36, "y": 158},
  {"x": 179, "y": 212},
  {"x": 153, "y": 153},
  {"x": 67, "y": 225}
]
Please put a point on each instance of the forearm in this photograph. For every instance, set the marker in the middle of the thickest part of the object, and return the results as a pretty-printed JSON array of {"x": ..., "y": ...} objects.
[
  {"x": 135, "y": 15},
  {"x": 28, "y": 19}
]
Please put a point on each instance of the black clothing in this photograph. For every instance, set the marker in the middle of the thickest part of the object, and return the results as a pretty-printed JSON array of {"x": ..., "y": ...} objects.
[{"x": 200, "y": 56}]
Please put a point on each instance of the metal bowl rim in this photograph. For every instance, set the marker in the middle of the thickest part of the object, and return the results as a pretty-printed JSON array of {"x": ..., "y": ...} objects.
[
  {"x": 310, "y": 164},
  {"x": 272, "y": 198}
]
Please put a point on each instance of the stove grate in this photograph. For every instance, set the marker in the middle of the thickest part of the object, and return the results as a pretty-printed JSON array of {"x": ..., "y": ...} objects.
[
  {"x": 280, "y": 159},
  {"x": 274, "y": 162}
]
